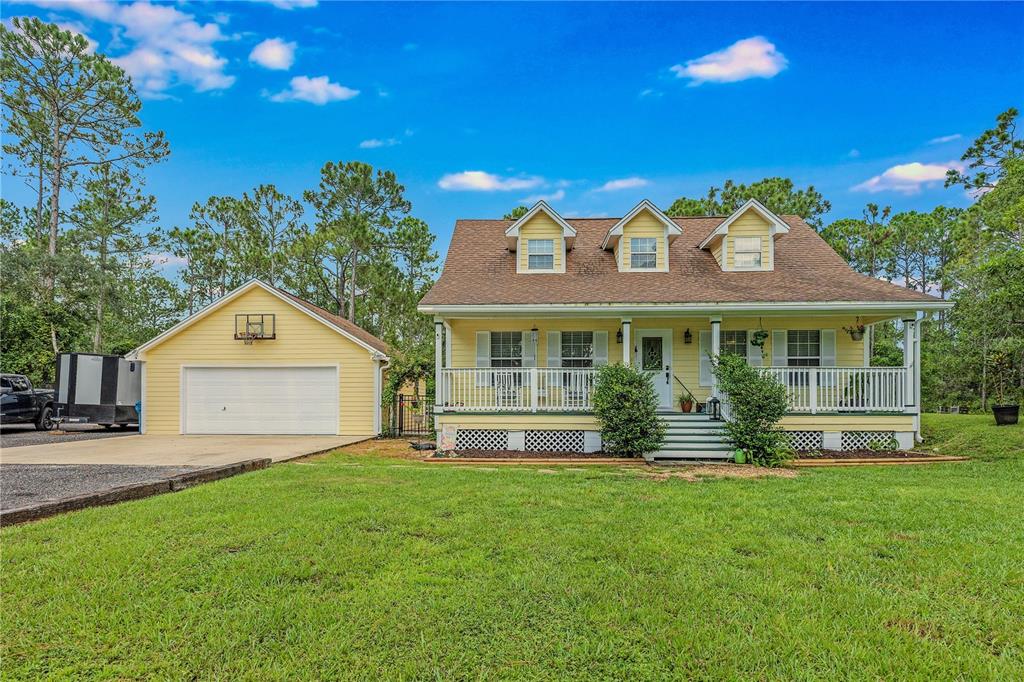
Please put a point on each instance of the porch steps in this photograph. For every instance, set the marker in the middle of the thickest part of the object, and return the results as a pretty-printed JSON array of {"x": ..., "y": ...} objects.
[{"x": 691, "y": 436}]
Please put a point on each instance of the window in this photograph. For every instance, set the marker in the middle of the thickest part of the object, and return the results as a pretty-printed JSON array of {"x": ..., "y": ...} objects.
[
  {"x": 506, "y": 349},
  {"x": 643, "y": 253},
  {"x": 748, "y": 253},
  {"x": 577, "y": 349},
  {"x": 734, "y": 342},
  {"x": 540, "y": 254},
  {"x": 803, "y": 346}
]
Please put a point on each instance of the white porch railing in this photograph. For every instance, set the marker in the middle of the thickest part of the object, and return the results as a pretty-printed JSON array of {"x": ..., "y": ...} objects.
[
  {"x": 843, "y": 389},
  {"x": 515, "y": 389}
]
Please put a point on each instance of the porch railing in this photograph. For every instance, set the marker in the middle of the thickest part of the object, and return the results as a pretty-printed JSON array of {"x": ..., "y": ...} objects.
[
  {"x": 842, "y": 389},
  {"x": 517, "y": 389}
]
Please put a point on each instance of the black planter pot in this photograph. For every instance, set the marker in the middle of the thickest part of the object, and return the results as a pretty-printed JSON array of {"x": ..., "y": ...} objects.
[{"x": 1006, "y": 414}]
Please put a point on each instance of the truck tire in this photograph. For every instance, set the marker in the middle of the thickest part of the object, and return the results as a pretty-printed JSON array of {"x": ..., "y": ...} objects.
[{"x": 45, "y": 421}]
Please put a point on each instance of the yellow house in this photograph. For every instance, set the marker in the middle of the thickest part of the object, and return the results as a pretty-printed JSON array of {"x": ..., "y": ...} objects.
[
  {"x": 262, "y": 361},
  {"x": 526, "y": 310}
]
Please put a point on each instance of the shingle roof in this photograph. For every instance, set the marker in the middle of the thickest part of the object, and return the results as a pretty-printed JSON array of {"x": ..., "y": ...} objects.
[
  {"x": 479, "y": 270},
  {"x": 340, "y": 322}
]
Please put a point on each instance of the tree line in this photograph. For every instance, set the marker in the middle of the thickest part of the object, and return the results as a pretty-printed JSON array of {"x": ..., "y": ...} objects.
[{"x": 84, "y": 265}]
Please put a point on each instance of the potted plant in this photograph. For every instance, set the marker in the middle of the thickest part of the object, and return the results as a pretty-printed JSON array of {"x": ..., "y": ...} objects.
[
  {"x": 1005, "y": 412},
  {"x": 856, "y": 332},
  {"x": 686, "y": 402},
  {"x": 758, "y": 338}
]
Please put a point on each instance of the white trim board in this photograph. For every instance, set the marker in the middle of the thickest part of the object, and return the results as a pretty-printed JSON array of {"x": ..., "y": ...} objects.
[
  {"x": 776, "y": 224},
  {"x": 512, "y": 233},
  {"x": 671, "y": 229},
  {"x": 896, "y": 308},
  {"x": 230, "y": 296}
]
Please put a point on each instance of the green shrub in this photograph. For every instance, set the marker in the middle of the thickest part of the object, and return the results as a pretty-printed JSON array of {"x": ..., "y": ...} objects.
[
  {"x": 627, "y": 410},
  {"x": 756, "y": 404}
]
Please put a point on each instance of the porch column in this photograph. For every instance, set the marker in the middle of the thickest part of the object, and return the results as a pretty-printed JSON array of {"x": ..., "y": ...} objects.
[
  {"x": 438, "y": 362},
  {"x": 716, "y": 349},
  {"x": 909, "y": 366},
  {"x": 627, "y": 343}
]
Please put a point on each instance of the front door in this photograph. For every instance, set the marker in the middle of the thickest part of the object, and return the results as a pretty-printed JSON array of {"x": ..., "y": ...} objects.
[{"x": 653, "y": 355}]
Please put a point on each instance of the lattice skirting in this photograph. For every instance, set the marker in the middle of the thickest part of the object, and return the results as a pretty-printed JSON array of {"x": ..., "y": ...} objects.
[
  {"x": 481, "y": 439},
  {"x": 554, "y": 441},
  {"x": 804, "y": 441},
  {"x": 856, "y": 440}
]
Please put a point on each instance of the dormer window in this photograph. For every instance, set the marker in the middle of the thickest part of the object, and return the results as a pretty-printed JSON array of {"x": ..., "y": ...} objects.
[
  {"x": 643, "y": 253},
  {"x": 541, "y": 254},
  {"x": 748, "y": 253}
]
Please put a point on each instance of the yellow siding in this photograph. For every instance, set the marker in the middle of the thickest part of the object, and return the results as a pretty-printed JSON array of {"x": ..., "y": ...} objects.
[
  {"x": 540, "y": 226},
  {"x": 750, "y": 224},
  {"x": 300, "y": 340},
  {"x": 849, "y": 353},
  {"x": 643, "y": 224},
  {"x": 716, "y": 250},
  {"x": 516, "y": 422},
  {"x": 852, "y": 422}
]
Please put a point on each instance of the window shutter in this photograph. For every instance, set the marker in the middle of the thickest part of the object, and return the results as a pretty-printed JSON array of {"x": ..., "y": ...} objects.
[
  {"x": 483, "y": 357},
  {"x": 529, "y": 350},
  {"x": 554, "y": 349},
  {"x": 828, "y": 347},
  {"x": 754, "y": 358},
  {"x": 703, "y": 348},
  {"x": 780, "y": 348},
  {"x": 600, "y": 348}
]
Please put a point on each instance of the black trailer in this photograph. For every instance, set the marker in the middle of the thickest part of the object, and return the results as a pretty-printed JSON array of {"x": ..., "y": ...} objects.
[{"x": 100, "y": 389}]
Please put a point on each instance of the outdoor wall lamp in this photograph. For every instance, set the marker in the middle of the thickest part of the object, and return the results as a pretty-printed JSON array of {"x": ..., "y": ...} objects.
[
  {"x": 618, "y": 336},
  {"x": 533, "y": 335},
  {"x": 687, "y": 336}
]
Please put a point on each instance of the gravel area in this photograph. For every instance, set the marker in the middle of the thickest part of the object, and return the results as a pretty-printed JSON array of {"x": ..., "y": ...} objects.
[
  {"x": 16, "y": 435},
  {"x": 22, "y": 485}
]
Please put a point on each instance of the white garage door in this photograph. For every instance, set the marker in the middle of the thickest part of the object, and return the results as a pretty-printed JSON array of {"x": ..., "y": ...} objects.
[{"x": 260, "y": 400}]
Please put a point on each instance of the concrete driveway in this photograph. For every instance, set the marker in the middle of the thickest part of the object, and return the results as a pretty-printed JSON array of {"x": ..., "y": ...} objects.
[{"x": 202, "y": 451}]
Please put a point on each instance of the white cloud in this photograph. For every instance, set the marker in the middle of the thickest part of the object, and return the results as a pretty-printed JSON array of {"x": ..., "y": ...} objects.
[
  {"x": 945, "y": 138},
  {"x": 319, "y": 90},
  {"x": 906, "y": 178},
  {"x": 557, "y": 195},
  {"x": 374, "y": 143},
  {"x": 748, "y": 58},
  {"x": 166, "y": 259},
  {"x": 479, "y": 181},
  {"x": 289, "y": 4},
  {"x": 853, "y": 154},
  {"x": 651, "y": 92},
  {"x": 168, "y": 47},
  {"x": 274, "y": 53},
  {"x": 622, "y": 183}
]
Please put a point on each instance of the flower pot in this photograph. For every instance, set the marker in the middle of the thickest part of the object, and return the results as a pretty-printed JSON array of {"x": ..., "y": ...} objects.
[
  {"x": 857, "y": 336},
  {"x": 686, "y": 405},
  {"x": 1006, "y": 414}
]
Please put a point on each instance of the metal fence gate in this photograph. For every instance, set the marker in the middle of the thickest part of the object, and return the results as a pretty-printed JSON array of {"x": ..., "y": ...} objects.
[{"x": 410, "y": 415}]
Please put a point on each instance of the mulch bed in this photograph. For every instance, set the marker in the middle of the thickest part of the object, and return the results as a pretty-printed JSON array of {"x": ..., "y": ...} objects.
[
  {"x": 525, "y": 454},
  {"x": 863, "y": 453}
]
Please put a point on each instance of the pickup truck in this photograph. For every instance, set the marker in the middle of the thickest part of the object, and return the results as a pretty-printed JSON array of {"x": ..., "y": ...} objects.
[{"x": 22, "y": 404}]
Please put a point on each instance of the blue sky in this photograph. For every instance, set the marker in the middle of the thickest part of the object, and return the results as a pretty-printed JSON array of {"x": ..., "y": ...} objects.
[{"x": 480, "y": 107}]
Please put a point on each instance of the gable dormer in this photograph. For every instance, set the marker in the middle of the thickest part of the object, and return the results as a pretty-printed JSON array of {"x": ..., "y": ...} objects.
[
  {"x": 540, "y": 239},
  {"x": 745, "y": 241},
  {"x": 640, "y": 240}
]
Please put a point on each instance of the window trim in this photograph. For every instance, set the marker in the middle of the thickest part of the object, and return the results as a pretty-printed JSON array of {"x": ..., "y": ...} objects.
[
  {"x": 721, "y": 341},
  {"x": 790, "y": 357},
  {"x": 563, "y": 357},
  {"x": 737, "y": 251},
  {"x": 633, "y": 252},
  {"x": 529, "y": 255},
  {"x": 505, "y": 358}
]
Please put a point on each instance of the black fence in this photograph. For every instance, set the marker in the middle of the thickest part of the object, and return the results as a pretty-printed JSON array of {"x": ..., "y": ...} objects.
[{"x": 409, "y": 415}]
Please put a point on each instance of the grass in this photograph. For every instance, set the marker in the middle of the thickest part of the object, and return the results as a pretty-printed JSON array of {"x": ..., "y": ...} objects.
[{"x": 359, "y": 566}]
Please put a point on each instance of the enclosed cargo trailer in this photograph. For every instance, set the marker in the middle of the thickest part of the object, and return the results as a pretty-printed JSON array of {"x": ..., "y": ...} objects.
[{"x": 101, "y": 389}]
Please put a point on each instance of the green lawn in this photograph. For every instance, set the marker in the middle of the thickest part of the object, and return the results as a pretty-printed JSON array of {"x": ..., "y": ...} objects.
[{"x": 366, "y": 567}]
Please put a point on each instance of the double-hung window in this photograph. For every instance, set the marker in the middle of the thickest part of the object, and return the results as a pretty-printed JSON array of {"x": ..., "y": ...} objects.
[
  {"x": 577, "y": 349},
  {"x": 748, "y": 253},
  {"x": 803, "y": 346},
  {"x": 733, "y": 342},
  {"x": 506, "y": 349},
  {"x": 643, "y": 253},
  {"x": 540, "y": 254}
]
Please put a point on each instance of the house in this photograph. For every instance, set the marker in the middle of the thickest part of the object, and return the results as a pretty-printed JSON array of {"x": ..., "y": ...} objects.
[
  {"x": 262, "y": 361},
  {"x": 525, "y": 310}
]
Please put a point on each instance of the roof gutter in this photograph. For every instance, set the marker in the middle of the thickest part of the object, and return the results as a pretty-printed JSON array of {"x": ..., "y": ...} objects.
[{"x": 675, "y": 309}]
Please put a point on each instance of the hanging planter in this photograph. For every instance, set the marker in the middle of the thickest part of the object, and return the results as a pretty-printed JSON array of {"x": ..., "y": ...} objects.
[
  {"x": 758, "y": 338},
  {"x": 856, "y": 332}
]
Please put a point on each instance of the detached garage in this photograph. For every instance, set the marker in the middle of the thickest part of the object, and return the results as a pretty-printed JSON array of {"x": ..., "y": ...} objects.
[{"x": 262, "y": 361}]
